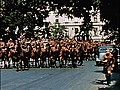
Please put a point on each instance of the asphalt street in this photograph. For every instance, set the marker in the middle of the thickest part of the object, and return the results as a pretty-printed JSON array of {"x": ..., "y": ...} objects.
[{"x": 86, "y": 77}]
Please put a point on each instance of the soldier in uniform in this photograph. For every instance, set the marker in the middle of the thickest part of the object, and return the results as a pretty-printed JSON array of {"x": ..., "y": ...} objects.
[
  {"x": 23, "y": 58},
  {"x": 11, "y": 54},
  {"x": 108, "y": 60},
  {"x": 81, "y": 54},
  {"x": 85, "y": 52},
  {"x": 20, "y": 54},
  {"x": 48, "y": 54},
  {"x": 37, "y": 64},
  {"x": 2, "y": 52},
  {"x": 25, "y": 49},
  {"x": 64, "y": 55},
  {"x": 57, "y": 52},
  {"x": 33, "y": 53},
  {"x": 27, "y": 53},
  {"x": 53, "y": 50},
  {"x": 73, "y": 55},
  {"x": 42, "y": 54}
]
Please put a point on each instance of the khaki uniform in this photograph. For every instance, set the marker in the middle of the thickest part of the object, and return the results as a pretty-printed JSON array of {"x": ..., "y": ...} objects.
[{"x": 108, "y": 62}]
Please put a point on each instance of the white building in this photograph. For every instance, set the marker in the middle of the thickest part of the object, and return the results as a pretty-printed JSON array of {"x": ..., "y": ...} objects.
[{"x": 75, "y": 23}]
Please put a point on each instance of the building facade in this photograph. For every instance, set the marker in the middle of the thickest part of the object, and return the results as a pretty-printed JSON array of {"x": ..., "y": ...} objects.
[{"x": 75, "y": 24}]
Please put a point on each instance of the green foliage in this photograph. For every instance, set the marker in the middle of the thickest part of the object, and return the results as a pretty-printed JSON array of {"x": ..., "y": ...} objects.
[
  {"x": 57, "y": 32},
  {"x": 110, "y": 13},
  {"x": 31, "y": 13},
  {"x": 23, "y": 13}
]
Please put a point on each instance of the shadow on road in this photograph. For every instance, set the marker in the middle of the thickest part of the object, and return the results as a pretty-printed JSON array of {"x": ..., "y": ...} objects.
[
  {"x": 101, "y": 82},
  {"x": 100, "y": 71},
  {"x": 115, "y": 78}
]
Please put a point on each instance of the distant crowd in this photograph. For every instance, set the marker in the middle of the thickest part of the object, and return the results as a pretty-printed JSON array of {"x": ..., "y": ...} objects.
[{"x": 31, "y": 52}]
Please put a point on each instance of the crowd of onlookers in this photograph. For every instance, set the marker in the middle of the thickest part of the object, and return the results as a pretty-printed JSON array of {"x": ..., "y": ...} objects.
[{"x": 38, "y": 52}]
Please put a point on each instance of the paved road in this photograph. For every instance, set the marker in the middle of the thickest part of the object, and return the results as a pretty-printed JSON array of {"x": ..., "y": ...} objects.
[{"x": 86, "y": 77}]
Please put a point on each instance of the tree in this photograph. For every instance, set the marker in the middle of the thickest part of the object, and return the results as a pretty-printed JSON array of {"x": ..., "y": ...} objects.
[
  {"x": 74, "y": 8},
  {"x": 110, "y": 13},
  {"x": 57, "y": 30},
  {"x": 22, "y": 13},
  {"x": 31, "y": 13}
]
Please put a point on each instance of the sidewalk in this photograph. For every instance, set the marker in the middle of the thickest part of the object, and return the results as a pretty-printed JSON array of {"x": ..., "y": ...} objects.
[{"x": 115, "y": 85}]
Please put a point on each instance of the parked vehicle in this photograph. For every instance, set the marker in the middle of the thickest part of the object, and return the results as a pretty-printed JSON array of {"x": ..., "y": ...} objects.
[{"x": 102, "y": 51}]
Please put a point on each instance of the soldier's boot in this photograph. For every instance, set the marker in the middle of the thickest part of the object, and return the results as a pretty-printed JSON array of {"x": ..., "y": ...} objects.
[{"x": 108, "y": 78}]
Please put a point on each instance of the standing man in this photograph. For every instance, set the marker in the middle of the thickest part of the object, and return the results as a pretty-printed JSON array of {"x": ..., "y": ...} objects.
[
  {"x": 108, "y": 60},
  {"x": 81, "y": 55}
]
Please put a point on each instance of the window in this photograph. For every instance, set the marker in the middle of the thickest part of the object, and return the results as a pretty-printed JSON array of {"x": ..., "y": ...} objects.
[
  {"x": 95, "y": 18},
  {"x": 95, "y": 31}
]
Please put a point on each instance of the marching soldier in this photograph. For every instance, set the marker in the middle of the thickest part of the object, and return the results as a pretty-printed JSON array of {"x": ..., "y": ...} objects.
[
  {"x": 53, "y": 50},
  {"x": 11, "y": 54},
  {"x": 20, "y": 56},
  {"x": 25, "y": 49},
  {"x": 86, "y": 52},
  {"x": 2, "y": 52},
  {"x": 108, "y": 60},
  {"x": 73, "y": 55},
  {"x": 57, "y": 52},
  {"x": 81, "y": 52},
  {"x": 42, "y": 54},
  {"x": 48, "y": 55},
  {"x": 33, "y": 53}
]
